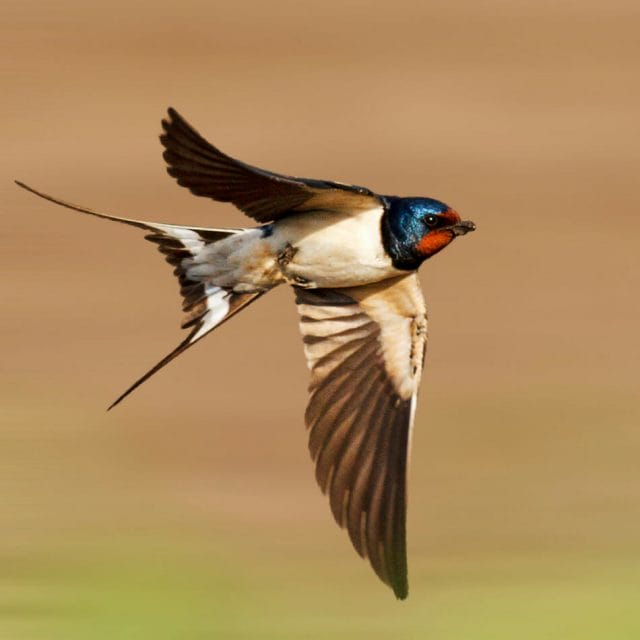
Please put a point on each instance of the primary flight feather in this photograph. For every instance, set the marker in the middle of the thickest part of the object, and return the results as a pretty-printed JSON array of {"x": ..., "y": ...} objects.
[{"x": 351, "y": 256}]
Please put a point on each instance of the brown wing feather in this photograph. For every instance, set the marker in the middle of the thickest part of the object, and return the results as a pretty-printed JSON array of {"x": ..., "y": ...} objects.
[
  {"x": 206, "y": 171},
  {"x": 365, "y": 348}
]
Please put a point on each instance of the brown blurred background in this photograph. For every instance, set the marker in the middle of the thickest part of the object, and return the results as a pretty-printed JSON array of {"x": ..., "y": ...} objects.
[{"x": 191, "y": 511}]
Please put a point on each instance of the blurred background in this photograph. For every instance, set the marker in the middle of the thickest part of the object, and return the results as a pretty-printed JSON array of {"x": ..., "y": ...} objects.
[{"x": 191, "y": 510}]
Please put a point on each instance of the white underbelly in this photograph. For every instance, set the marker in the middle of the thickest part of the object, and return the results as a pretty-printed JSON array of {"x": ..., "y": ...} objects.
[{"x": 334, "y": 250}]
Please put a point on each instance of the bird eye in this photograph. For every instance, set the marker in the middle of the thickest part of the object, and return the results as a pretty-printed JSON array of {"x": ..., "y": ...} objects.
[{"x": 431, "y": 220}]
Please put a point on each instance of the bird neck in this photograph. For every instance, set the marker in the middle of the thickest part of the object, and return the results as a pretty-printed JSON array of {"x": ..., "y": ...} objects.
[{"x": 401, "y": 234}]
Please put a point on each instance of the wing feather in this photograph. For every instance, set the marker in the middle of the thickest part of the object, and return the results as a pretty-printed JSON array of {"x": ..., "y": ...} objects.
[
  {"x": 365, "y": 348},
  {"x": 206, "y": 171}
]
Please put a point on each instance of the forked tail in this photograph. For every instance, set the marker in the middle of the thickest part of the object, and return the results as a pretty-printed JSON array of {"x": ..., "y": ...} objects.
[{"x": 205, "y": 305}]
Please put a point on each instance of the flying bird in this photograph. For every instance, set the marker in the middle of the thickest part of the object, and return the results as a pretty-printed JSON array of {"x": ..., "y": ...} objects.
[{"x": 351, "y": 256}]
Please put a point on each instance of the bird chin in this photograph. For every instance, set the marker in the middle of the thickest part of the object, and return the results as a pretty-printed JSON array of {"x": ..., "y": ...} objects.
[{"x": 435, "y": 241}]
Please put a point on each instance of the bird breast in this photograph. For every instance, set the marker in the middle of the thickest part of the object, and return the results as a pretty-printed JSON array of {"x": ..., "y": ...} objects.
[{"x": 328, "y": 249}]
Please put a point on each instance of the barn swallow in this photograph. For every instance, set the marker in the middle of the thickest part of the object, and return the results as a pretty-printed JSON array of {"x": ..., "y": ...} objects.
[{"x": 352, "y": 257}]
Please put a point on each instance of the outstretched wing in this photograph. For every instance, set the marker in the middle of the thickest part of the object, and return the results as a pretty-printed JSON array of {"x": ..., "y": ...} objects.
[
  {"x": 262, "y": 195},
  {"x": 365, "y": 348}
]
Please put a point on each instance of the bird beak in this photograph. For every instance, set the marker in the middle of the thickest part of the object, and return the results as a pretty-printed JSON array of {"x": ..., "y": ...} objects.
[{"x": 465, "y": 226}]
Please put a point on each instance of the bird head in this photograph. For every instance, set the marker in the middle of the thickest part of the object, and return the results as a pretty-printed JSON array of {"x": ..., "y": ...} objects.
[{"x": 414, "y": 229}]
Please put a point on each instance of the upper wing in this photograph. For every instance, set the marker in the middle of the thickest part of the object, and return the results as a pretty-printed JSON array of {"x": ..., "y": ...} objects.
[
  {"x": 365, "y": 348},
  {"x": 262, "y": 195}
]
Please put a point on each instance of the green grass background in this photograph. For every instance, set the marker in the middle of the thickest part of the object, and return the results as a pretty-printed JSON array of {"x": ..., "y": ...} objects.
[{"x": 529, "y": 538}]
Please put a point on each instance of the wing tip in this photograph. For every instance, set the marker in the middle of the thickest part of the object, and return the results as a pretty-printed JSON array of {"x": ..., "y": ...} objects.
[
  {"x": 172, "y": 120},
  {"x": 173, "y": 115},
  {"x": 401, "y": 592}
]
